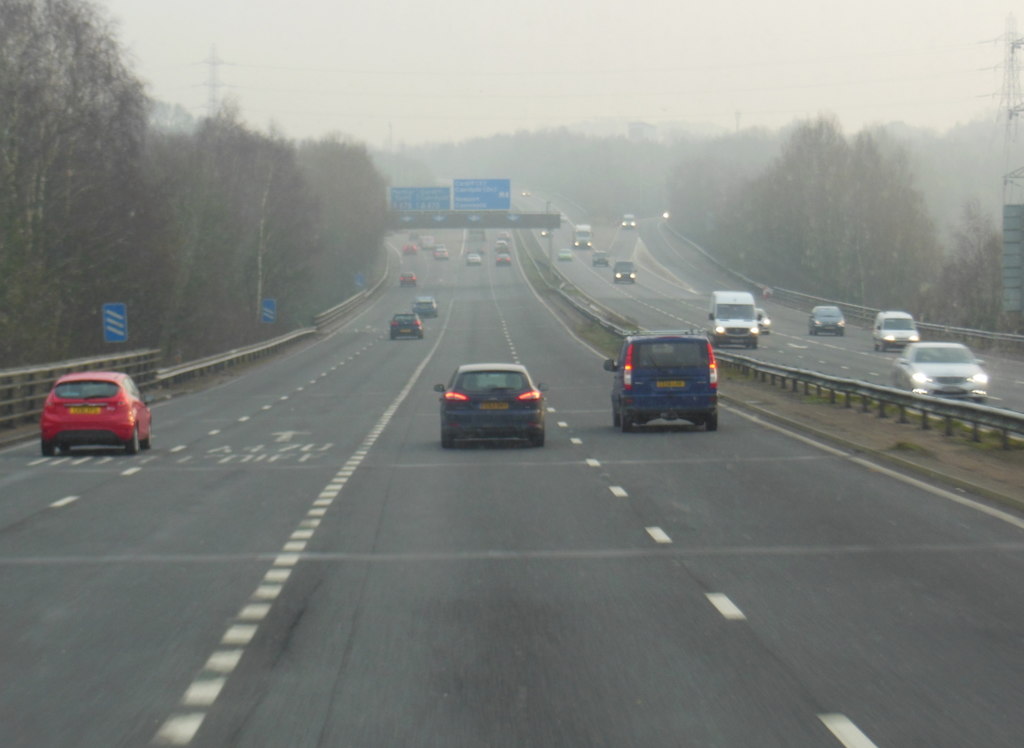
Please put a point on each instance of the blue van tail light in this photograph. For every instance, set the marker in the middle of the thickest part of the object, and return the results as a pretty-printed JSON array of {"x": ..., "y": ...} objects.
[
  {"x": 712, "y": 368},
  {"x": 627, "y": 368}
]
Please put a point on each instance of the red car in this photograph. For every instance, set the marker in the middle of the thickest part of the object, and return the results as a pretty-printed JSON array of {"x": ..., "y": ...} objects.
[
  {"x": 407, "y": 279},
  {"x": 410, "y": 249},
  {"x": 95, "y": 408}
]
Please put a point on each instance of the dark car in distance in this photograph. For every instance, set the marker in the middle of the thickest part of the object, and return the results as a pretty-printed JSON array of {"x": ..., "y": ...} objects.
[
  {"x": 624, "y": 272},
  {"x": 826, "y": 319},
  {"x": 406, "y": 326},
  {"x": 425, "y": 306},
  {"x": 491, "y": 401}
]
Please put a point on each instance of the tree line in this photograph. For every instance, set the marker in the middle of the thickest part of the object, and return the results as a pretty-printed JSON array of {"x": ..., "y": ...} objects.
[
  {"x": 189, "y": 229},
  {"x": 883, "y": 218}
]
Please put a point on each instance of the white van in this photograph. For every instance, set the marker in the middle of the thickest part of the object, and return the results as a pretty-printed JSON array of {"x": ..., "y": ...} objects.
[
  {"x": 893, "y": 330},
  {"x": 582, "y": 236},
  {"x": 733, "y": 319}
]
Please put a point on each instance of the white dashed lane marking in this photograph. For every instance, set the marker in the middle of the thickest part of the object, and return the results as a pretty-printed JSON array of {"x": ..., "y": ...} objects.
[
  {"x": 64, "y": 502},
  {"x": 618, "y": 491},
  {"x": 725, "y": 606},
  {"x": 845, "y": 731},
  {"x": 658, "y": 535}
]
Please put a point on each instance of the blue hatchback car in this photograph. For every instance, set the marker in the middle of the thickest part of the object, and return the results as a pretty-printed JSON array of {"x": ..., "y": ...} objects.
[{"x": 667, "y": 376}]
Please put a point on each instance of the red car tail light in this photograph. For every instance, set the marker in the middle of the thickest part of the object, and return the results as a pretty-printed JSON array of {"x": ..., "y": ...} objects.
[
  {"x": 452, "y": 395},
  {"x": 531, "y": 395}
]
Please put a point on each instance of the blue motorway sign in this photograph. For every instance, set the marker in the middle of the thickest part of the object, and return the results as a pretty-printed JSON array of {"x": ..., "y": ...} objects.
[
  {"x": 115, "y": 322},
  {"x": 420, "y": 198},
  {"x": 482, "y": 194},
  {"x": 268, "y": 311}
]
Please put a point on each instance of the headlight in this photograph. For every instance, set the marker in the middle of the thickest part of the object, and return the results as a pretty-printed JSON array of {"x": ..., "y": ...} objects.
[
  {"x": 632, "y": 275},
  {"x": 842, "y": 323},
  {"x": 914, "y": 338},
  {"x": 755, "y": 330},
  {"x": 720, "y": 330},
  {"x": 979, "y": 378},
  {"x": 920, "y": 377},
  {"x": 889, "y": 337}
]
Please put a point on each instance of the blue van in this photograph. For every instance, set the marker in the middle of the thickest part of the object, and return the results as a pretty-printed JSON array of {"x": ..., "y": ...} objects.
[{"x": 667, "y": 376}]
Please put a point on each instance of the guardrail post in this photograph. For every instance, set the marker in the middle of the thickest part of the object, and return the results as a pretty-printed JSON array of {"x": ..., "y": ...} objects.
[
  {"x": 949, "y": 425},
  {"x": 881, "y": 409}
]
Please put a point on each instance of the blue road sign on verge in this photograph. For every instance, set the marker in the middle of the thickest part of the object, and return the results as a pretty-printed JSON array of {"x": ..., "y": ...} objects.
[
  {"x": 482, "y": 194},
  {"x": 115, "y": 322},
  {"x": 420, "y": 198},
  {"x": 268, "y": 311}
]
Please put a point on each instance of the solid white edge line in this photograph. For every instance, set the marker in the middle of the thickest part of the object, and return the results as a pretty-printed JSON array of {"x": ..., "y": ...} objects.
[
  {"x": 888, "y": 472},
  {"x": 845, "y": 731},
  {"x": 729, "y": 610}
]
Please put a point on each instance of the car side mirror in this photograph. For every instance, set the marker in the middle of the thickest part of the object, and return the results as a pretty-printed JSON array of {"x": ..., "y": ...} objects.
[
  {"x": 902, "y": 361},
  {"x": 439, "y": 388},
  {"x": 542, "y": 387},
  {"x": 711, "y": 315},
  {"x": 146, "y": 399},
  {"x": 979, "y": 362},
  {"x": 609, "y": 365}
]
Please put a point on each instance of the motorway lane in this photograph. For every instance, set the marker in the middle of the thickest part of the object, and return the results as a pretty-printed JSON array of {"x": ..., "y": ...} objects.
[
  {"x": 514, "y": 596},
  {"x": 500, "y": 596}
]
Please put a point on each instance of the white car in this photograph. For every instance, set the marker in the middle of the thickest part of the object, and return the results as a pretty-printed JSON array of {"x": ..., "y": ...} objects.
[
  {"x": 942, "y": 370},
  {"x": 565, "y": 255},
  {"x": 474, "y": 258}
]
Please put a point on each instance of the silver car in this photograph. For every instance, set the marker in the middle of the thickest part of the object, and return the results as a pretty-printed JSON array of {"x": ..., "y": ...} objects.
[{"x": 942, "y": 370}]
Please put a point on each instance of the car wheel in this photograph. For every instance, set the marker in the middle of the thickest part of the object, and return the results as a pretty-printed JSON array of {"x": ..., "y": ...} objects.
[
  {"x": 131, "y": 446},
  {"x": 148, "y": 441},
  {"x": 47, "y": 448},
  {"x": 876, "y": 346},
  {"x": 537, "y": 440},
  {"x": 616, "y": 419},
  {"x": 711, "y": 422},
  {"x": 842, "y": 333},
  {"x": 626, "y": 422},
  {"x": 447, "y": 440}
]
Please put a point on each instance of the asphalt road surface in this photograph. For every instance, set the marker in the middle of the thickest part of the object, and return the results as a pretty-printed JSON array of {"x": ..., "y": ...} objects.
[{"x": 298, "y": 563}]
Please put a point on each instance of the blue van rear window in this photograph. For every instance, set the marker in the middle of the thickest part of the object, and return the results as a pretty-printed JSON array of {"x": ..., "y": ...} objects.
[{"x": 669, "y": 354}]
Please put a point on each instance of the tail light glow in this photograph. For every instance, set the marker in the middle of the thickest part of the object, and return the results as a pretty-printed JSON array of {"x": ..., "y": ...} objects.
[
  {"x": 712, "y": 368},
  {"x": 530, "y": 395},
  {"x": 627, "y": 368},
  {"x": 457, "y": 396}
]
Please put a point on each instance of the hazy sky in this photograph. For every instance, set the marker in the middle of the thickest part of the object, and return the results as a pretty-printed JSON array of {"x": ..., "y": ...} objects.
[{"x": 415, "y": 70}]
